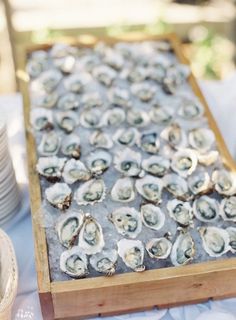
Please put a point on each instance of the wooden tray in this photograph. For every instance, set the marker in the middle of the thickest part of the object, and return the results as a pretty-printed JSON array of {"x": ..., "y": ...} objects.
[{"x": 131, "y": 291}]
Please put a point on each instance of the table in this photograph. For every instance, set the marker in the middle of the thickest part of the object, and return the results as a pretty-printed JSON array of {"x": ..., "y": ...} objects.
[{"x": 221, "y": 96}]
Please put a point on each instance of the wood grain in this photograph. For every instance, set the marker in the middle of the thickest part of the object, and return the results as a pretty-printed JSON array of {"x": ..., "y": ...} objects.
[{"x": 79, "y": 299}]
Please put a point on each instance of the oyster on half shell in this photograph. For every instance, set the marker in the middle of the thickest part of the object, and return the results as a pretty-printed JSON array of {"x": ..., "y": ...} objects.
[
  {"x": 199, "y": 182},
  {"x": 123, "y": 190},
  {"x": 70, "y": 146},
  {"x": 184, "y": 162},
  {"x": 201, "y": 139},
  {"x": 90, "y": 192},
  {"x": 99, "y": 161},
  {"x": 183, "y": 249},
  {"x": 59, "y": 195},
  {"x": 181, "y": 212},
  {"x": 127, "y": 221},
  {"x": 104, "y": 261},
  {"x": 150, "y": 188},
  {"x": 100, "y": 139},
  {"x": 149, "y": 142},
  {"x": 49, "y": 144},
  {"x": 175, "y": 136},
  {"x": 132, "y": 253},
  {"x": 91, "y": 239},
  {"x": 75, "y": 170},
  {"x": 224, "y": 182},
  {"x": 41, "y": 119},
  {"x": 67, "y": 120},
  {"x": 215, "y": 240},
  {"x": 228, "y": 209},
  {"x": 159, "y": 248},
  {"x": 206, "y": 209},
  {"x": 128, "y": 162},
  {"x": 177, "y": 186},
  {"x": 74, "y": 263},
  {"x": 50, "y": 167},
  {"x": 232, "y": 238},
  {"x": 126, "y": 137},
  {"x": 152, "y": 216},
  {"x": 156, "y": 165}
]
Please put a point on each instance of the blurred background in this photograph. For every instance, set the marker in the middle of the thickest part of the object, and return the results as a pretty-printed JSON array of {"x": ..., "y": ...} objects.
[{"x": 206, "y": 27}]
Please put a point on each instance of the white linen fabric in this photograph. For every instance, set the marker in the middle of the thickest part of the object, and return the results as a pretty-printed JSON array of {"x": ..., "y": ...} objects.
[{"x": 221, "y": 96}]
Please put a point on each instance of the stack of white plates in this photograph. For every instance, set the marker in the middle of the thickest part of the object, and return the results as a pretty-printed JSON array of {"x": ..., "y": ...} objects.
[{"x": 9, "y": 191}]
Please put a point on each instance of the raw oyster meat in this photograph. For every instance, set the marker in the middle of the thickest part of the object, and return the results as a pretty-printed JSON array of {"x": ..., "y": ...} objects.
[
  {"x": 49, "y": 80},
  {"x": 137, "y": 118},
  {"x": 68, "y": 228},
  {"x": 201, "y": 139},
  {"x": 161, "y": 115},
  {"x": 91, "y": 118},
  {"x": 49, "y": 144},
  {"x": 104, "y": 261},
  {"x": 183, "y": 249},
  {"x": 114, "y": 117},
  {"x": 208, "y": 158},
  {"x": 90, "y": 192},
  {"x": 126, "y": 137},
  {"x": 152, "y": 216},
  {"x": 224, "y": 182},
  {"x": 181, "y": 212},
  {"x": 128, "y": 162},
  {"x": 190, "y": 110},
  {"x": 159, "y": 248},
  {"x": 35, "y": 67},
  {"x": 127, "y": 221},
  {"x": 132, "y": 253},
  {"x": 156, "y": 165},
  {"x": 199, "y": 182},
  {"x": 123, "y": 190},
  {"x": 104, "y": 74},
  {"x": 232, "y": 238},
  {"x": 50, "y": 167},
  {"x": 228, "y": 209},
  {"x": 113, "y": 59},
  {"x": 100, "y": 139},
  {"x": 184, "y": 162},
  {"x": 143, "y": 90},
  {"x": 136, "y": 74},
  {"x": 150, "y": 188},
  {"x": 77, "y": 82},
  {"x": 67, "y": 120},
  {"x": 41, "y": 119},
  {"x": 70, "y": 146},
  {"x": 175, "y": 136},
  {"x": 59, "y": 195},
  {"x": 206, "y": 209},
  {"x": 119, "y": 97},
  {"x": 75, "y": 170},
  {"x": 176, "y": 185},
  {"x": 68, "y": 101},
  {"x": 91, "y": 100},
  {"x": 149, "y": 142},
  {"x": 74, "y": 263},
  {"x": 47, "y": 100},
  {"x": 91, "y": 239},
  {"x": 99, "y": 161},
  {"x": 215, "y": 240}
]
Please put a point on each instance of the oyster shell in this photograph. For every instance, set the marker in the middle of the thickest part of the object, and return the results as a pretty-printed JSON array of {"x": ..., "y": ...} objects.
[
  {"x": 228, "y": 209},
  {"x": 175, "y": 136},
  {"x": 206, "y": 209},
  {"x": 105, "y": 261},
  {"x": 91, "y": 239},
  {"x": 67, "y": 120},
  {"x": 232, "y": 238},
  {"x": 114, "y": 117},
  {"x": 61, "y": 50},
  {"x": 65, "y": 64},
  {"x": 132, "y": 253},
  {"x": 119, "y": 97},
  {"x": 69, "y": 227},
  {"x": 199, "y": 182},
  {"x": 49, "y": 144},
  {"x": 75, "y": 170},
  {"x": 224, "y": 182},
  {"x": 99, "y": 161},
  {"x": 137, "y": 118},
  {"x": 70, "y": 146},
  {"x": 47, "y": 100},
  {"x": 209, "y": 158},
  {"x": 143, "y": 90},
  {"x": 149, "y": 142},
  {"x": 74, "y": 263},
  {"x": 184, "y": 162},
  {"x": 35, "y": 67},
  {"x": 190, "y": 110},
  {"x": 59, "y": 195},
  {"x": 181, "y": 212},
  {"x": 104, "y": 74},
  {"x": 128, "y": 162},
  {"x": 123, "y": 190},
  {"x": 100, "y": 139},
  {"x": 176, "y": 185},
  {"x": 113, "y": 59},
  {"x": 41, "y": 119},
  {"x": 159, "y": 248},
  {"x": 68, "y": 101},
  {"x": 161, "y": 115},
  {"x": 156, "y": 165},
  {"x": 91, "y": 118},
  {"x": 49, "y": 80},
  {"x": 183, "y": 249},
  {"x": 201, "y": 139},
  {"x": 126, "y": 137},
  {"x": 76, "y": 82},
  {"x": 150, "y": 188},
  {"x": 137, "y": 74},
  {"x": 127, "y": 221},
  {"x": 50, "y": 167},
  {"x": 91, "y": 100},
  {"x": 152, "y": 216},
  {"x": 215, "y": 240},
  {"x": 90, "y": 192}
]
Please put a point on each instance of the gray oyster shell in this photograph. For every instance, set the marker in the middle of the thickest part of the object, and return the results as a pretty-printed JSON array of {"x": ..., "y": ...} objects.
[
  {"x": 150, "y": 188},
  {"x": 104, "y": 261},
  {"x": 206, "y": 209},
  {"x": 183, "y": 249},
  {"x": 123, "y": 190},
  {"x": 132, "y": 254},
  {"x": 90, "y": 192},
  {"x": 59, "y": 195},
  {"x": 159, "y": 248},
  {"x": 152, "y": 216},
  {"x": 74, "y": 263},
  {"x": 75, "y": 170},
  {"x": 228, "y": 209},
  {"x": 181, "y": 212}
]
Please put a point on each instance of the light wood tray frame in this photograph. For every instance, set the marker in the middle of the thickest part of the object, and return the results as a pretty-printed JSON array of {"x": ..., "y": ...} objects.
[{"x": 131, "y": 291}]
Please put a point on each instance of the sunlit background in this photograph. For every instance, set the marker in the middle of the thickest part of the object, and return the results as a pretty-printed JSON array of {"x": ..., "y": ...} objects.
[{"x": 207, "y": 28}]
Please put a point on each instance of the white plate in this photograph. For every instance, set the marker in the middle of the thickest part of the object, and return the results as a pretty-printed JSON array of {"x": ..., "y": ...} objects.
[
  {"x": 6, "y": 171},
  {"x": 10, "y": 198},
  {"x": 4, "y": 211},
  {"x": 9, "y": 191}
]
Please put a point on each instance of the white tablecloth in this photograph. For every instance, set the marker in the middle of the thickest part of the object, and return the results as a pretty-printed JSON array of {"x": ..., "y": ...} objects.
[{"x": 221, "y": 97}]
